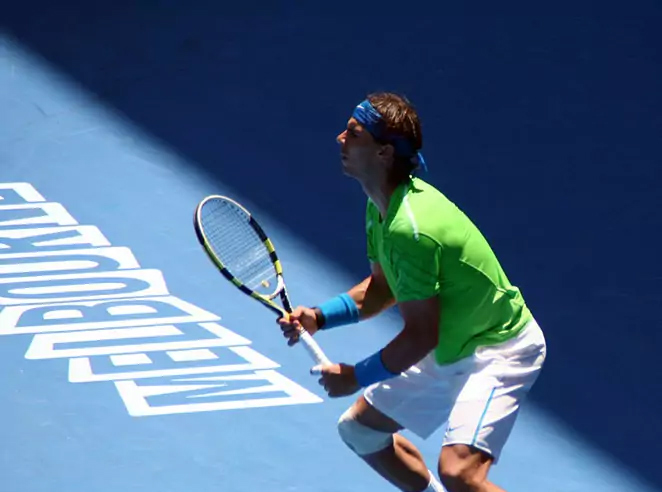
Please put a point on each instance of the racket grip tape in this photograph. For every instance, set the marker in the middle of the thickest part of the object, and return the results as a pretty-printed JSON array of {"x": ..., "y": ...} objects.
[{"x": 313, "y": 348}]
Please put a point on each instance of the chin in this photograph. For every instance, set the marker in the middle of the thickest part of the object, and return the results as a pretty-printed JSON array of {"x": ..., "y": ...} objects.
[
  {"x": 347, "y": 171},
  {"x": 344, "y": 166}
]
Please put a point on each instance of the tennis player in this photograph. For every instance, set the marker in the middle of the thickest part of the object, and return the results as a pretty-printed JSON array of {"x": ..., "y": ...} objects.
[{"x": 469, "y": 350}]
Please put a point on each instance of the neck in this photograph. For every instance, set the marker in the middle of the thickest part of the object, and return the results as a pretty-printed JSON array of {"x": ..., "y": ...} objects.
[{"x": 380, "y": 194}]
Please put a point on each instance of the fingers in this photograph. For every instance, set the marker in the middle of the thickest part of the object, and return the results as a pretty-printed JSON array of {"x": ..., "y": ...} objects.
[
  {"x": 291, "y": 319},
  {"x": 294, "y": 323},
  {"x": 290, "y": 327},
  {"x": 292, "y": 340},
  {"x": 337, "y": 379},
  {"x": 292, "y": 335},
  {"x": 322, "y": 370},
  {"x": 326, "y": 381}
]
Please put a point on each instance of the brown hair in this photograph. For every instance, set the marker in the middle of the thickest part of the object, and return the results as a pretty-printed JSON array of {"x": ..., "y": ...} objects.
[{"x": 402, "y": 121}]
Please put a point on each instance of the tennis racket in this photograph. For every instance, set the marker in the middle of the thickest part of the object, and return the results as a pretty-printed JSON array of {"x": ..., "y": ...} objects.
[{"x": 243, "y": 253}]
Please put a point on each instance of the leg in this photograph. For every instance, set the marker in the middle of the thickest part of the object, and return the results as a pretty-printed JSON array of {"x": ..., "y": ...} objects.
[
  {"x": 486, "y": 409},
  {"x": 419, "y": 400},
  {"x": 398, "y": 461},
  {"x": 464, "y": 468}
]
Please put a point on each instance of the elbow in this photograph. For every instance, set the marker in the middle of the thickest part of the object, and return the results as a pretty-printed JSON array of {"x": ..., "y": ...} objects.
[
  {"x": 431, "y": 341},
  {"x": 425, "y": 340},
  {"x": 408, "y": 348}
]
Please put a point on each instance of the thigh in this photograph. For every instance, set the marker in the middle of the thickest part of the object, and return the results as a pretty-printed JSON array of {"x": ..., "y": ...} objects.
[
  {"x": 486, "y": 409},
  {"x": 421, "y": 398}
]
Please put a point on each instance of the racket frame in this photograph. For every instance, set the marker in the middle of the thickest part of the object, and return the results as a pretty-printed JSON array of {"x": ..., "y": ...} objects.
[{"x": 267, "y": 300}]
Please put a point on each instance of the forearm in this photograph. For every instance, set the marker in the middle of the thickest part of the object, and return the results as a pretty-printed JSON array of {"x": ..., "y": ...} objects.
[
  {"x": 366, "y": 299},
  {"x": 371, "y": 297},
  {"x": 419, "y": 337},
  {"x": 406, "y": 349}
]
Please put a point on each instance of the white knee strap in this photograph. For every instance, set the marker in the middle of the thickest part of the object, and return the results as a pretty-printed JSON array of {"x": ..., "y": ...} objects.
[{"x": 359, "y": 438}]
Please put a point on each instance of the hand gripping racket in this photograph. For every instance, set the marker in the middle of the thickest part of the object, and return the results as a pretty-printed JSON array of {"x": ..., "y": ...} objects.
[{"x": 243, "y": 253}]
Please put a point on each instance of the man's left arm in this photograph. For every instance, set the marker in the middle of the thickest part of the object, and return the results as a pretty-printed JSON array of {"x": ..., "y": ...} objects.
[
  {"x": 418, "y": 337},
  {"x": 417, "y": 261}
]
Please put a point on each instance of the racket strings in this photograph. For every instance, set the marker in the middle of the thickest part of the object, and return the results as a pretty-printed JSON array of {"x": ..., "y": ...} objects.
[{"x": 238, "y": 246}]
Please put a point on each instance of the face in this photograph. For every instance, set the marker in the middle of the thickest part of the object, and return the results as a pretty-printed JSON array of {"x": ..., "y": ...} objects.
[{"x": 359, "y": 152}]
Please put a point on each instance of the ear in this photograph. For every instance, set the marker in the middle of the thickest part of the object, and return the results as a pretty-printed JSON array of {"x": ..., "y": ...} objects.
[{"x": 387, "y": 151}]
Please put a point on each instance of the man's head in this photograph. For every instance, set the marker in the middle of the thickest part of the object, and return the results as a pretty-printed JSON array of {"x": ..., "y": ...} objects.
[{"x": 382, "y": 139}]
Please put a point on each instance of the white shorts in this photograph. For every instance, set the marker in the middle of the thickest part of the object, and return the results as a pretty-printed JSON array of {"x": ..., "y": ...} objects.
[{"x": 478, "y": 397}]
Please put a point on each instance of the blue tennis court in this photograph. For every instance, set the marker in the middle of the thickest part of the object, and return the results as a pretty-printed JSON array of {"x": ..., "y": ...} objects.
[{"x": 127, "y": 362}]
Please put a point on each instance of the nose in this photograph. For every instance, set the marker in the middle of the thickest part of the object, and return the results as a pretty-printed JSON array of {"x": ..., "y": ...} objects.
[{"x": 341, "y": 138}]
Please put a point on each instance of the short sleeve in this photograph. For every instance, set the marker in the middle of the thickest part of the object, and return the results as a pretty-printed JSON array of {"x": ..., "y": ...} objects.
[{"x": 417, "y": 266}]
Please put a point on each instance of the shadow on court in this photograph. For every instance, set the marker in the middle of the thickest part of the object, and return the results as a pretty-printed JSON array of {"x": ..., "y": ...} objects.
[{"x": 545, "y": 129}]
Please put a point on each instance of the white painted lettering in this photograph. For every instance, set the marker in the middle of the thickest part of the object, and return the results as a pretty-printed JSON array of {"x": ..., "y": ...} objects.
[
  {"x": 242, "y": 358},
  {"x": 15, "y": 193},
  {"x": 93, "y": 315},
  {"x": 266, "y": 388},
  {"x": 83, "y": 286},
  {"x": 182, "y": 337},
  {"x": 40, "y": 238},
  {"x": 97, "y": 259},
  {"x": 92, "y": 303},
  {"x": 35, "y": 214}
]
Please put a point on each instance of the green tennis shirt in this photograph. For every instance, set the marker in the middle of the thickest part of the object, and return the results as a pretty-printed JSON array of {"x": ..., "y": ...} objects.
[{"x": 428, "y": 247}]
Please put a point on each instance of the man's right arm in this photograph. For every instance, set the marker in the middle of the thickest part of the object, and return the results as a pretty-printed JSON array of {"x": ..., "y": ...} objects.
[{"x": 372, "y": 295}]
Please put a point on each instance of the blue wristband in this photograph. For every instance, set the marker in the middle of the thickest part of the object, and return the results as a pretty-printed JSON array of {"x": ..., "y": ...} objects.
[
  {"x": 338, "y": 311},
  {"x": 372, "y": 370}
]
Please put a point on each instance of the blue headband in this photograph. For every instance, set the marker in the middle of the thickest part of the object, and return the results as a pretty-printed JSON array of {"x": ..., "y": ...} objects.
[{"x": 366, "y": 114}]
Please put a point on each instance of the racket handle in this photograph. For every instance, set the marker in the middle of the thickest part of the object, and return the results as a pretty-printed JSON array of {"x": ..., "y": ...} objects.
[{"x": 313, "y": 348}]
